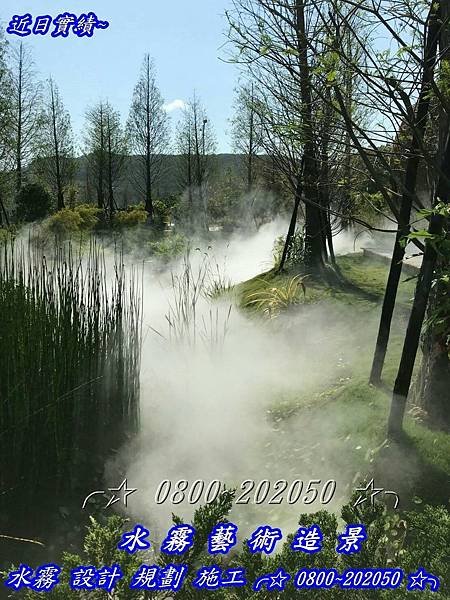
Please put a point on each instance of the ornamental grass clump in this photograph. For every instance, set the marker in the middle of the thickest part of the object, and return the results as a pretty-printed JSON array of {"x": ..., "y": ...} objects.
[{"x": 272, "y": 300}]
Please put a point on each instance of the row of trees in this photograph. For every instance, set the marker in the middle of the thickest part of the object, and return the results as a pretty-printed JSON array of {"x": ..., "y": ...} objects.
[
  {"x": 352, "y": 98},
  {"x": 37, "y": 138}
]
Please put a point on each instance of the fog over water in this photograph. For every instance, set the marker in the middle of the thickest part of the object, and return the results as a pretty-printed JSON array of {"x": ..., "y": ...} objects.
[{"x": 208, "y": 407}]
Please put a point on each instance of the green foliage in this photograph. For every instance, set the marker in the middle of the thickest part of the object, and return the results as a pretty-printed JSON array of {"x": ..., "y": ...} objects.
[
  {"x": 225, "y": 201},
  {"x": 99, "y": 549},
  {"x": 83, "y": 217},
  {"x": 33, "y": 202},
  {"x": 296, "y": 253},
  {"x": 395, "y": 540},
  {"x": 169, "y": 246},
  {"x": 368, "y": 206},
  {"x": 438, "y": 319},
  {"x": 218, "y": 283},
  {"x": 7, "y": 234},
  {"x": 443, "y": 79},
  {"x": 133, "y": 216},
  {"x": 440, "y": 242},
  {"x": 165, "y": 211}
]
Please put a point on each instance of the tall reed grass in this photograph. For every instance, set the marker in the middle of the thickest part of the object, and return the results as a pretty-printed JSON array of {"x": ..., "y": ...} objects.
[
  {"x": 70, "y": 343},
  {"x": 195, "y": 313}
]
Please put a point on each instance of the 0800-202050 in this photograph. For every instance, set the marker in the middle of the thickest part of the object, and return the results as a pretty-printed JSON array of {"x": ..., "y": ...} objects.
[{"x": 249, "y": 491}]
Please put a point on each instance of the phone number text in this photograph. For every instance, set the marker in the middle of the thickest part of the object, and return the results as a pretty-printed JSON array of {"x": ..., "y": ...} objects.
[{"x": 249, "y": 492}]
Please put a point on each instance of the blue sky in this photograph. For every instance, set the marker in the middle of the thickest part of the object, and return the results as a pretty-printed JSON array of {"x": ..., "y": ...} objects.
[{"x": 183, "y": 36}]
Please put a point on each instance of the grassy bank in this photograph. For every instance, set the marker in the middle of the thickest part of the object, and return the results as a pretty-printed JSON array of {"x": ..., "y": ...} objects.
[{"x": 419, "y": 467}]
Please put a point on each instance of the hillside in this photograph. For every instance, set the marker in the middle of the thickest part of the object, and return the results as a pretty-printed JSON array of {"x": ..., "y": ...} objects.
[{"x": 169, "y": 183}]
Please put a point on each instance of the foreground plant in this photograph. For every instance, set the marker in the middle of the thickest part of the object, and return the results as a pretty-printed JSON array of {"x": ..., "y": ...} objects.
[
  {"x": 394, "y": 541},
  {"x": 69, "y": 372}
]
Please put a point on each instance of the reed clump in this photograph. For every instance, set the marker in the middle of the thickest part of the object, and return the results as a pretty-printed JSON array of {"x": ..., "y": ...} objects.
[
  {"x": 70, "y": 343},
  {"x": 193, "y": 314}
]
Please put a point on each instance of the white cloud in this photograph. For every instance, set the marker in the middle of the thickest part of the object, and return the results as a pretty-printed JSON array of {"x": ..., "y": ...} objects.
[{"x": 174, "y": 105}]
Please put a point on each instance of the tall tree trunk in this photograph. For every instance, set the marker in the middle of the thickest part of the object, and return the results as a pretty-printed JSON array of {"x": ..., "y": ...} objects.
[
  {"x": 348, "y": 99},
  {"x": 330, "y": 240},
  {"x": 148, "y": 189},
  {"x": 314, "y": 231},
  {"x": 189, "y": 169},
  {"x": 325, "y": 180},
  {"x": 3, "y": 214},
  {"x": 411, "y": 170},
  {"x": 426, "y": 275},
  {"x": 101, "y": 166},
  {"x": 293, "y": 223},
  {"x": 110, "y": 176},
  {"x": 434, "y": 390}
]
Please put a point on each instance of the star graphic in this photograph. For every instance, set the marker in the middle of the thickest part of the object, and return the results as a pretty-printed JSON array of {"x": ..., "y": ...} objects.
[
  {"x": 417, "y": 579},
  {"x": 370, "y": 487},
  {"x": 278, "y": 579},
  {"x": 123, "y": 487}
]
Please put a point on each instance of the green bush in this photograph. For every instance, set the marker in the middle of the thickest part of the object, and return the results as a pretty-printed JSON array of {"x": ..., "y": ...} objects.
[
  {"x": 66, "y": 221},
  {"x": 7, "y": 234},
  {"x": 33, "y": 202},
  {"x": 296, "y": 252},
  {"x": 165, "y": 211},
  {"x": 133, "y": 216},
  {"x": 168, "y": 247}
]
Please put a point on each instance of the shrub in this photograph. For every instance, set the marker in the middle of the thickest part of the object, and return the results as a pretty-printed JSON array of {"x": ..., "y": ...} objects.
[
  {"x": 400, "y": 540},
  {"x": 131, "y": 217},
  {"x": 296, "y": 252},
  {"x": 165, "y": 211},
  {"x": 7, "y": 234},
  {"x": 168, "y": 247},
  {"x": 90, "y": 216},
  {"x": 33, "y": 202},
  {"x": 83, "y": 217}
]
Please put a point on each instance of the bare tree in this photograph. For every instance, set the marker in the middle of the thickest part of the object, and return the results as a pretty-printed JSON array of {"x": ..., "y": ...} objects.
[
  {"x": 196, "y": 145},
  {"x": 56, "y": 164},
  {"x": 5, "y": 127},
  {"x": 106, "y": 149},
  {"x": 397, "y": 87},
  {"x": 246, "y": 130},
  {"x": 26, "y": 98},
  {"x": 148, "y": 132},
  {"x": 273, "y": 40}
]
